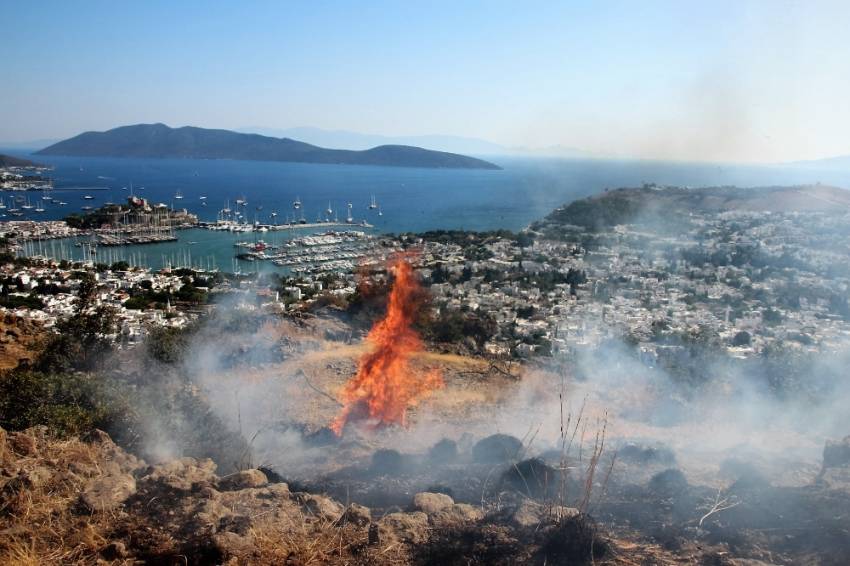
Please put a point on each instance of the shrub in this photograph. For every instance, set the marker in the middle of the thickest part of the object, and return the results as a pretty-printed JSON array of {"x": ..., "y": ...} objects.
[{"x": 67, "y": 403}]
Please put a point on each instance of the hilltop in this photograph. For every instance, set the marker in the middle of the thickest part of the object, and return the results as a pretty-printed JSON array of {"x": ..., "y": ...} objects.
[
  {"x": 159, "y": 140},
  {"x": 9, "y": 161},
  {"x": 652, "y": 203}
]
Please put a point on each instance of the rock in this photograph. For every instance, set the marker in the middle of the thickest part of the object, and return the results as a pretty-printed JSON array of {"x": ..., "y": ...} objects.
[
  {"x": 431, "y": 503},
  {"x": 320, "y": 506},
  {"x": 238, "y": 524},
  {"x": 387, "y": 461},
  {"x": 668, "y": 483},
  {"x": 114, "y": 551},
  {"x": 457, "y": 515},
  {"x": 37, "y": 476},
  {"x": 530, "y": 514},
  {"x": 182, "y": 474},
  {"x": 243, "y": 480},
  {"x": 356, "y": 515},
  {"x": 113, "y": 454},
  {"x": 532, "y": 477},
  {"x": 232, "y": 544},
  {"x": 836, "y": 453},
  {"x": 275, "y": 491},
  {"x": 634, "y": 453},
  {"x": 496, "y": 449},
  {"x": 406, "y": 527},
  {"x": 444, "y": 452},
  {"x": 23, "y": 444},
  {"x": 107, "y": 492}
]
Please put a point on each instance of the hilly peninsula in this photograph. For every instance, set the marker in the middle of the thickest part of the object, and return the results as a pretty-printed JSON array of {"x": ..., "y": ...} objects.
[
  {"x": 161, "y": 141},
  {"x": 670, "y": 207},
  {"x": 9, "y": 161}
]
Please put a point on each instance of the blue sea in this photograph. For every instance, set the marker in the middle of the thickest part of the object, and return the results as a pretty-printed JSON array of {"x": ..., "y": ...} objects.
[{"x": 410, "y": 199}]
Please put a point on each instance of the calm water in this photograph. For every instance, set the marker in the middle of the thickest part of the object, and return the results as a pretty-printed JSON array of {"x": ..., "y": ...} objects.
[{"x": 411, "y": 199}]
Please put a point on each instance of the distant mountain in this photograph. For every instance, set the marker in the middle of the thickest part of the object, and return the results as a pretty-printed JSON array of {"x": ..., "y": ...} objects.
[
  {"x": 667, "y": 206},
  {"x": 159, "y": 140},
  {"x": 27, "y": 145},
  {"x": 9, "y": 161},
  {"x": 344, "y": 139},
  {"x": 838, "y": 162}
]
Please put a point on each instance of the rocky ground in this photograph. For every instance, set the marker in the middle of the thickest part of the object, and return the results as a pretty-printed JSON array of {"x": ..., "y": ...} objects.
[{"x": 89, "y": 502}]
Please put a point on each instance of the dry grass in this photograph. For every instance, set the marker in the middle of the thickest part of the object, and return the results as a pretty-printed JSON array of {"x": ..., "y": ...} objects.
[
  {"x": 37, "y": 510},
  {"x": 321, "y": 542}
]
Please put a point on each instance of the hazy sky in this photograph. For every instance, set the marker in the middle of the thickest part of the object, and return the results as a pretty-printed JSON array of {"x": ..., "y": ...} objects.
[{"x": 739, "y": 81}]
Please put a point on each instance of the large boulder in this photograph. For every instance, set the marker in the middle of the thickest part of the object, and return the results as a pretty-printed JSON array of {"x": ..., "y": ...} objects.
[
  {"x": 443, "y": 452},
  {"x": 496, "y": 449},
  {"x": 532, "y": 477},
  {"x": 669, "y": 483}
]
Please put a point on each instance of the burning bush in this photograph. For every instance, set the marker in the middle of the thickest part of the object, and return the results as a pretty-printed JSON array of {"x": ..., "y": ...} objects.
[{"x": 386, "y": 384}]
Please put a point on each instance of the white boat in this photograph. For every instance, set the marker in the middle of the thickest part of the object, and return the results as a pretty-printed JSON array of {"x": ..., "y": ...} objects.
[
  {"x": 373, "y": 205},
  {"x": 330, "y": 210},
  {"x": 297, "y": 204},
  {"x": 88, "y": 197},
  {"x": 178, "y": 195}
]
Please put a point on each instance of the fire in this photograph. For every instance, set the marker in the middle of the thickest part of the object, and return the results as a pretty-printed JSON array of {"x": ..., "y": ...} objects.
[{"x": 385, "y": 384}]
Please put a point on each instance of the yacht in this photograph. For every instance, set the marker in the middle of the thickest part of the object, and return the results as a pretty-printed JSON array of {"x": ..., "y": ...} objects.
[
  {"x": 373, "y": 205},
  {"x": 297, "y": 204},
  {"x": 178, "y": 195},
  {"x": 88, "y": 197}
]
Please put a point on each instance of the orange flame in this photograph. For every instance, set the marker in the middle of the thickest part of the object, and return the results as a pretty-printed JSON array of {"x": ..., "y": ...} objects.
[{"x": 385, "y": 384}]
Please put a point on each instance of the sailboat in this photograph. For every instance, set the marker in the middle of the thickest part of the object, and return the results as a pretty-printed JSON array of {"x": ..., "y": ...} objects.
[
  {"x": 178, "y": 195},
  {"x": 330, "y": 210},
  {"x": 349, "y": 218},
  {"x": 40, "y": 208},
  {"x": 373, "y": 205},
  {"x": 297, "y": 204}
]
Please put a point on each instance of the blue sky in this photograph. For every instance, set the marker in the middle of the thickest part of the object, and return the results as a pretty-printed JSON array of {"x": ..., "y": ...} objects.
[{"x": 732, "y": 81}]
